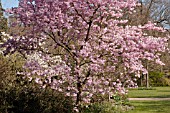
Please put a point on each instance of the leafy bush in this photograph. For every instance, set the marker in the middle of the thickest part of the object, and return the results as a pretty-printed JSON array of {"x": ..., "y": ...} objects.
[
  {"x": 5, "y": 71},
  {"x": 165, "y": 81},
  {"x": 9, "y": 66},
  {"x": 106, "y": 107},
  {"x": 117, "y": 104},
  {"x": 29, "y": 99},
  {"x": 158, "y": 79}
]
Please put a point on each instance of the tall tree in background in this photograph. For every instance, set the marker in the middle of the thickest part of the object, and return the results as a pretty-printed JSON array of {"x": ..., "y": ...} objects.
[
  {"x": 156, "y": 11},
  {"x": 3, "y": 20},
  {"x": 159, "y": 11}
]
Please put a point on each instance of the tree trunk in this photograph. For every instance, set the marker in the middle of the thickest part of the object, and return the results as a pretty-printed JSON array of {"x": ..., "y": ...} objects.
[
  {"x": 141, "y": 81},
  {"x": 78, "y": 98},
  {"x": 147, "y": 80},
  {"x": 147, "y": 75}
]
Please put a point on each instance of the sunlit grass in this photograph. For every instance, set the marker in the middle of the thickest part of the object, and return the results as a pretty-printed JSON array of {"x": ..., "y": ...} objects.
[
  {"x": 157, "y": 92},
  {"x": 150, "y": 106}
]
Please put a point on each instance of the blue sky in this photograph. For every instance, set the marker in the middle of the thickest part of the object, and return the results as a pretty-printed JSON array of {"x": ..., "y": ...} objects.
[{"x": 9, "y": 3}]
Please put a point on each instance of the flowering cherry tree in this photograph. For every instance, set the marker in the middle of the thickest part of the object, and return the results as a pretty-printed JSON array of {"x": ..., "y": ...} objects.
[{"x": 83, "y": 47}]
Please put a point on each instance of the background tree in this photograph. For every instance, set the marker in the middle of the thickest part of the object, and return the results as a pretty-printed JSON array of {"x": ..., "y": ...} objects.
[
  {"x": 159, "y": 13},
  {"x": 150, "y": 10},
  {"x": 3, "y": 20}
]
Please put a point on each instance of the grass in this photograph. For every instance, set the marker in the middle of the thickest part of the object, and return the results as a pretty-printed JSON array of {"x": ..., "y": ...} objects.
[
  {"x": 156, "y": 92},
  {"x": 150, "y": 107}
]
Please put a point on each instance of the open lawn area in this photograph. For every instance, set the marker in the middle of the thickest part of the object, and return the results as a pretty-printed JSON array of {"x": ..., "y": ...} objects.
[
  {"x": 143, "y": 106},
  {"x": 156, "y": 92}
]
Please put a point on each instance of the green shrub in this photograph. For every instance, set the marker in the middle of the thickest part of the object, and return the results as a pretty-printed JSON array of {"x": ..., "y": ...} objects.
[
  {"x": 117, "y": 104},
  {"x": 158, "y": 79},
  {"x": 5, "y": 72},
  {"x": 9, "y": 66},
  {"x": 29, "y": 99},
  {"x": 106, "y": 107},
  {"x": 165, "y": 81}
]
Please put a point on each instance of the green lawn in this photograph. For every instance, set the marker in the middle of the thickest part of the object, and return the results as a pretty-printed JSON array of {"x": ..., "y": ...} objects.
[
  {"x": 150, "y": 107},
  {"x": 157, "y": 92}
]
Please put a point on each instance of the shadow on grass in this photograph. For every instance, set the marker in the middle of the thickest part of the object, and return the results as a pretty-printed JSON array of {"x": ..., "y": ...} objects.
[
  {"x": 152, "y": 96},
  {"x": 163, "y": 91},
  {"x": 163, "y": 96},
  {"x": 150, "y": 107}
]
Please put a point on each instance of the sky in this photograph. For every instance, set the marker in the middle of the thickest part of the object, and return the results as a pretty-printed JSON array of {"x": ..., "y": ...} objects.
[{"x": 9, "y": 3}]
